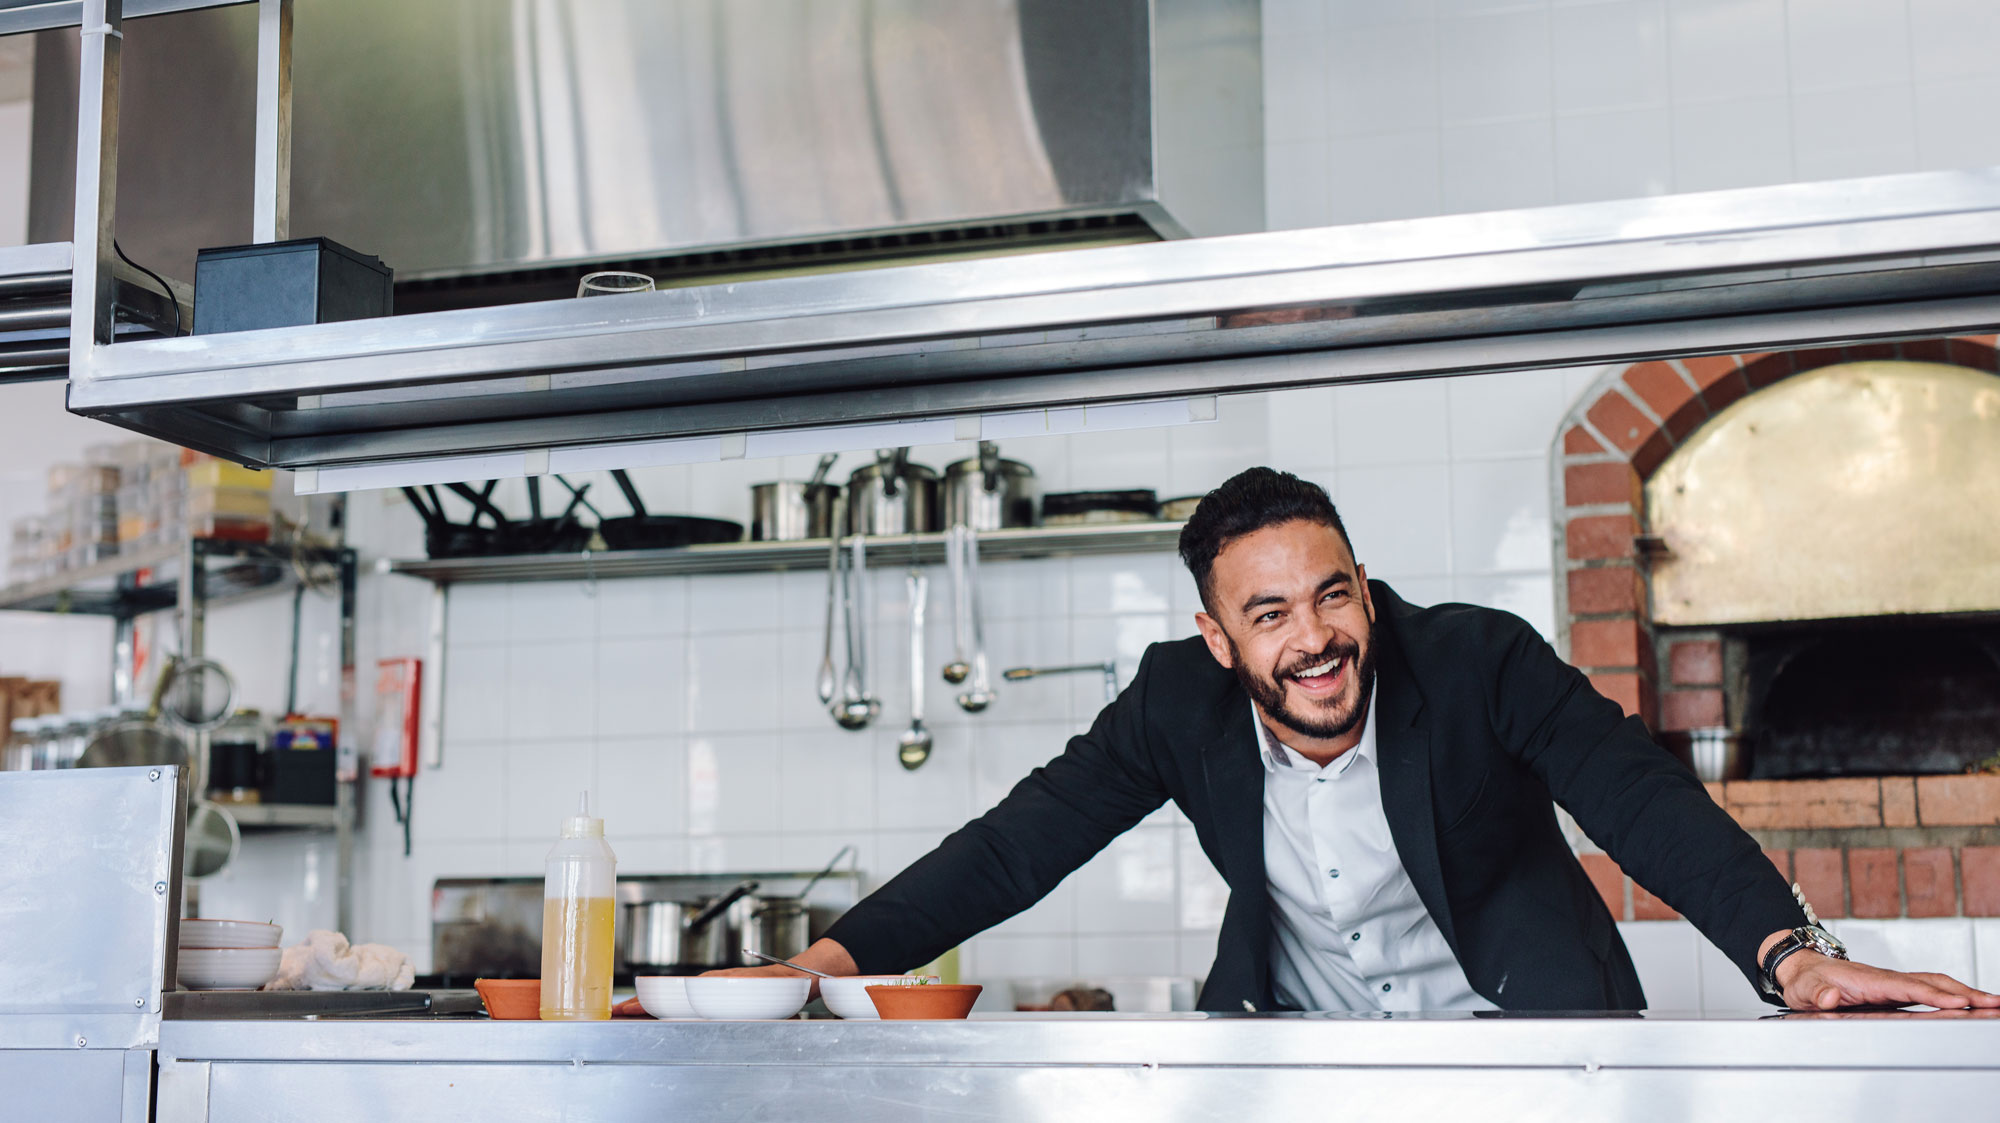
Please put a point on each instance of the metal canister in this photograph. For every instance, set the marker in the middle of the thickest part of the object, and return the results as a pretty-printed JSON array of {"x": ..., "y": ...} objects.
[
  {"x": 892, "y": 496},
  {"x": 791, "y": 510},
  {"x": 986, "y": 492},
  {"x": 779, "y": 927}
]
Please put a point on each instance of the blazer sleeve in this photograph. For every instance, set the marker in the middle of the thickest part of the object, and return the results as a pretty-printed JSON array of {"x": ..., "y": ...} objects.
[
  {"x": 1636, "y": 801},
  {"x": 1050, "y": 824}
]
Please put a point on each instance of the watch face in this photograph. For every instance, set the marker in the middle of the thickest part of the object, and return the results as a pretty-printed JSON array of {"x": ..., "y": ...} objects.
[{"x": 1832, "y": 945}]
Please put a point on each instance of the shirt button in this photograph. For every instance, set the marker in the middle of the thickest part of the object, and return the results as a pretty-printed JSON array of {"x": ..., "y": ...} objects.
[
  {"x": 1385, "y": 988},
  {"x": 1322, "y": 779},
  {"x": 1333, "y": 873},
  {"x": 1355, "y": 936}
]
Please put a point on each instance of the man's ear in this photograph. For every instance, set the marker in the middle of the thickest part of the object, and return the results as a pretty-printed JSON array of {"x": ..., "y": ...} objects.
[
  {"x": 1211, "y": 634},
  {"x": 1367, "y": 602}
]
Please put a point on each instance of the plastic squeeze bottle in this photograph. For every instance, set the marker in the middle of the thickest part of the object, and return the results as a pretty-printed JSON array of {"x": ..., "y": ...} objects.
[{"x": 578, "y": 899}]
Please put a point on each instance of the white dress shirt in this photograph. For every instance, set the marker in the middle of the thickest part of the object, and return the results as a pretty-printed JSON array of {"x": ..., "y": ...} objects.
[{"x": 1348, "y": 929}]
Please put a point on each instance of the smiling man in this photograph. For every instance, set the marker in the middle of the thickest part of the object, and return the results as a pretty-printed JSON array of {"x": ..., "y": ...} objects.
[{"x": 1377, "y": 783}]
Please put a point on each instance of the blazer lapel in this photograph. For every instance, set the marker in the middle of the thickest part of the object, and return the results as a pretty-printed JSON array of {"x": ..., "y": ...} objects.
[
  {"x": 1235, "y": 776},
  {"x": 1403, "y": 748}
]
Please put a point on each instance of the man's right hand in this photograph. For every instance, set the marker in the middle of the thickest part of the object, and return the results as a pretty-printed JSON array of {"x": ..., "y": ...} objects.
[{"x": 825, "y": 956}]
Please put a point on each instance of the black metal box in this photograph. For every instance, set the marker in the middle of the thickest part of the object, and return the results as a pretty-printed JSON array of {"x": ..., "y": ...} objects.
[{"x": 285, "y": 284}]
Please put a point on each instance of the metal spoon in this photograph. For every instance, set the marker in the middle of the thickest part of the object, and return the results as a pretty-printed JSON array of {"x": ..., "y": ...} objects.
[
  {"x": 954, "y": 554},
  {"x": 979, "y": 694},
  {"x": 786, "y": 963},
  {"x": 826, "y": 679},
  {"x": 914, "y": 746}
]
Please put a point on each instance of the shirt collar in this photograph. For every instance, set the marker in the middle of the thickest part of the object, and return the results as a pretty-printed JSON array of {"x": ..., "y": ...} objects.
[{"x": 1276, "y": 755}]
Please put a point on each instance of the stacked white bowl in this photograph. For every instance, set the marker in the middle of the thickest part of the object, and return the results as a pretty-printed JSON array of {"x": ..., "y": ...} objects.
[
  {"x": 229, "y": 954},
  {"x": 664, "y": 996},
  {"x": 724, "y": 997}
]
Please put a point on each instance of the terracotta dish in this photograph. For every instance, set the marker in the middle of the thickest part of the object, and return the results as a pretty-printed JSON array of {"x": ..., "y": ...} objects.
[
  {"x": 937, "y": 1002},
  {"x": 518, "y": 1000}
]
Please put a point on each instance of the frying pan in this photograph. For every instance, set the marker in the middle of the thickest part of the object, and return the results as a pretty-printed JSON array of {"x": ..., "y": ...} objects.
[
  {"x": 641, "y": 531},
  {"x": 1077, "y": 508}
]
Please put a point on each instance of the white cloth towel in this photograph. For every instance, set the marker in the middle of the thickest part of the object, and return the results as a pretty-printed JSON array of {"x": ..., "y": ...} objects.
[{"x": 326, "y": 961}]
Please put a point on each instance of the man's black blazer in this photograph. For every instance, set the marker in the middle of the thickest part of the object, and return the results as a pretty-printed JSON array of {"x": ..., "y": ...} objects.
[{"x": 1479, "y": 727}]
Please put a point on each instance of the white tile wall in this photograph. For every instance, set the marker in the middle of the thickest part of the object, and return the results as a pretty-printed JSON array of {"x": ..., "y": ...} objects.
[{"x": 1470, "y": 105}]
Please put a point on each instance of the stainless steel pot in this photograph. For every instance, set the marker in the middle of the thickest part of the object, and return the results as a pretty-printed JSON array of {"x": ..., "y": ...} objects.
[
  {"x": 790, "y": 511},
  {"x": 892, "y": 496},
  {"x": 774, "y": 926},
  {"x": 985, "y": 492},
  {"x": 682, "y": 933}
]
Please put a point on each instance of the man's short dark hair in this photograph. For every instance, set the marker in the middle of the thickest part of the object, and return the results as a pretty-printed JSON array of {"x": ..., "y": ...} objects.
[{"x": 1248, "y": 502}]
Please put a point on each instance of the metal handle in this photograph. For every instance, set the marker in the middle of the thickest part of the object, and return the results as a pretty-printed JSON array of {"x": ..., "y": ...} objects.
[
  {"x": 860, "y": 619},
  {"x": 919, "y": 588},
  {"x": 819, "y": 473},
  {"x": 1108, "y": 670},
  {"x": 981, "y": 682},
  {"x": 826, "y": 683},
  {"x": 989, "y": 466},
  {"x": 721, "y": 904}
]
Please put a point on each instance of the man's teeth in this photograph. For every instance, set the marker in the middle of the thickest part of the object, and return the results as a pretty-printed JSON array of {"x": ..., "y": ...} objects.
[{"x": 1326, "y": 668}]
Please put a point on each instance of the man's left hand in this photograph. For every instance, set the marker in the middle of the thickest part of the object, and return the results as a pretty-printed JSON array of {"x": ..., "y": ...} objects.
[{"x": 1812, "y": 981}]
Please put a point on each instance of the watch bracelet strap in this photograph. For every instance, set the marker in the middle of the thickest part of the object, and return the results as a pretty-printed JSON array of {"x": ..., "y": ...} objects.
[{"x": 1791, "y": 945}]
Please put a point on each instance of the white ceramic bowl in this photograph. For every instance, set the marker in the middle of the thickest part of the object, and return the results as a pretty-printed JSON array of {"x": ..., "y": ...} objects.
[
  {"x": 848, "y": 997},
  {"x": 229, "y": 934},
  {"x": 748, "y": 997},
  {"x": 664, "y": 996},
  {"x": 228, "y": 968}
]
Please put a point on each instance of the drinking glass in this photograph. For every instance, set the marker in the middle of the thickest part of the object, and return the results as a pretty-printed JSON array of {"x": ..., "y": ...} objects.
[{"x": 613, "y": 283}]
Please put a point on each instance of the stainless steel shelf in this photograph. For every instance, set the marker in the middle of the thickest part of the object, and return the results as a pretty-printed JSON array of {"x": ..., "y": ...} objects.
[
  {"x": 1755, "y": 269},
  {"x": 236, "y": 571},
  {"x": 749, "y": 557}
]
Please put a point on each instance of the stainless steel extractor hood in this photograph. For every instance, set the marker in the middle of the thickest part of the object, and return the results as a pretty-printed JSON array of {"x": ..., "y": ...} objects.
[
  {"x": 495, "y": 145},
  {"x": 993, "y": 347}
]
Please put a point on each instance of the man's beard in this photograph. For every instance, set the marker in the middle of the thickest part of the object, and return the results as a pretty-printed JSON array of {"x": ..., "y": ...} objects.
[{"x": 1324, "y": 724}]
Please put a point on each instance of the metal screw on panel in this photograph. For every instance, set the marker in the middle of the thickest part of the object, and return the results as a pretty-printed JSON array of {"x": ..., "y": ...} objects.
[
  {"x": 153, "y": 775},
  {"x": 139, "y": 1002},
  {"x": 80, "y": 1042},
  {"x": 159, "y": 887}
]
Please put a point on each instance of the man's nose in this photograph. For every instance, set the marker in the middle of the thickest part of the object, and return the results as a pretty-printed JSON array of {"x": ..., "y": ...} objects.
[{"x": 1313, "y": 634}]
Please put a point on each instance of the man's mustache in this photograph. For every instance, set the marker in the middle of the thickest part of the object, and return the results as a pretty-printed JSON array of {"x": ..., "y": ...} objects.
[{"x": 1339, "y": 648}]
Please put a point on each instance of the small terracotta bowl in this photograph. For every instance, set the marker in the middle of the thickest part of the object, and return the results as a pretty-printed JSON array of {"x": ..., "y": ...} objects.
[
  {"x": 936, "y": 1002},
  {"x": 517, "y": 1000}
]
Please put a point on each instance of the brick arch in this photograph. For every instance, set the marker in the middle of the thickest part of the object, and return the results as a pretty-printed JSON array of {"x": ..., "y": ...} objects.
[{"x": 1612, "y": 440}]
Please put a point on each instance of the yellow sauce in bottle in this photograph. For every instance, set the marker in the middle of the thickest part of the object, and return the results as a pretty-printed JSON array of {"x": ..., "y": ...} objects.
[{"x": 576, "y": 958}]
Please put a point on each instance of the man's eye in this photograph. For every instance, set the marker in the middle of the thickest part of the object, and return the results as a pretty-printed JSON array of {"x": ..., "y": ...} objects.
[
  {"x": 1335, "y": 595},
  {"x": 1267, "y": 618}
]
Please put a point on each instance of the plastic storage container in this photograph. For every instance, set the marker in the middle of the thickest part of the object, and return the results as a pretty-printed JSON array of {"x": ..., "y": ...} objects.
[{"x": 579, "y": 907}]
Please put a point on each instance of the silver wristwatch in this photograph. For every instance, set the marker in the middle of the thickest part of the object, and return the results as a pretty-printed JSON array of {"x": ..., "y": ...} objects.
[{"x": 1809, "y": 937}]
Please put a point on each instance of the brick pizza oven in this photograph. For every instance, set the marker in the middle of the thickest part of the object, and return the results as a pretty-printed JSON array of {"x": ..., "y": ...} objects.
[{"x": 1805, "y": 547}]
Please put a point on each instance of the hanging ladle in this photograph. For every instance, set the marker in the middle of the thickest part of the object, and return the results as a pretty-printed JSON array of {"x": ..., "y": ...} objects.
[
  {"x": 913, "y": 748},
  {"x": 826, "y": 684},
  {"x": 979, "y": 691},
  {"x": 855, "y": 708},
  {"x": 954, "y": 556}
]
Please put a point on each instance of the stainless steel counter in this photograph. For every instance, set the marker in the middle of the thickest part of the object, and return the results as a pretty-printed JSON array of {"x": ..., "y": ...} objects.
[{"x": 1154, "y": 1067}]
